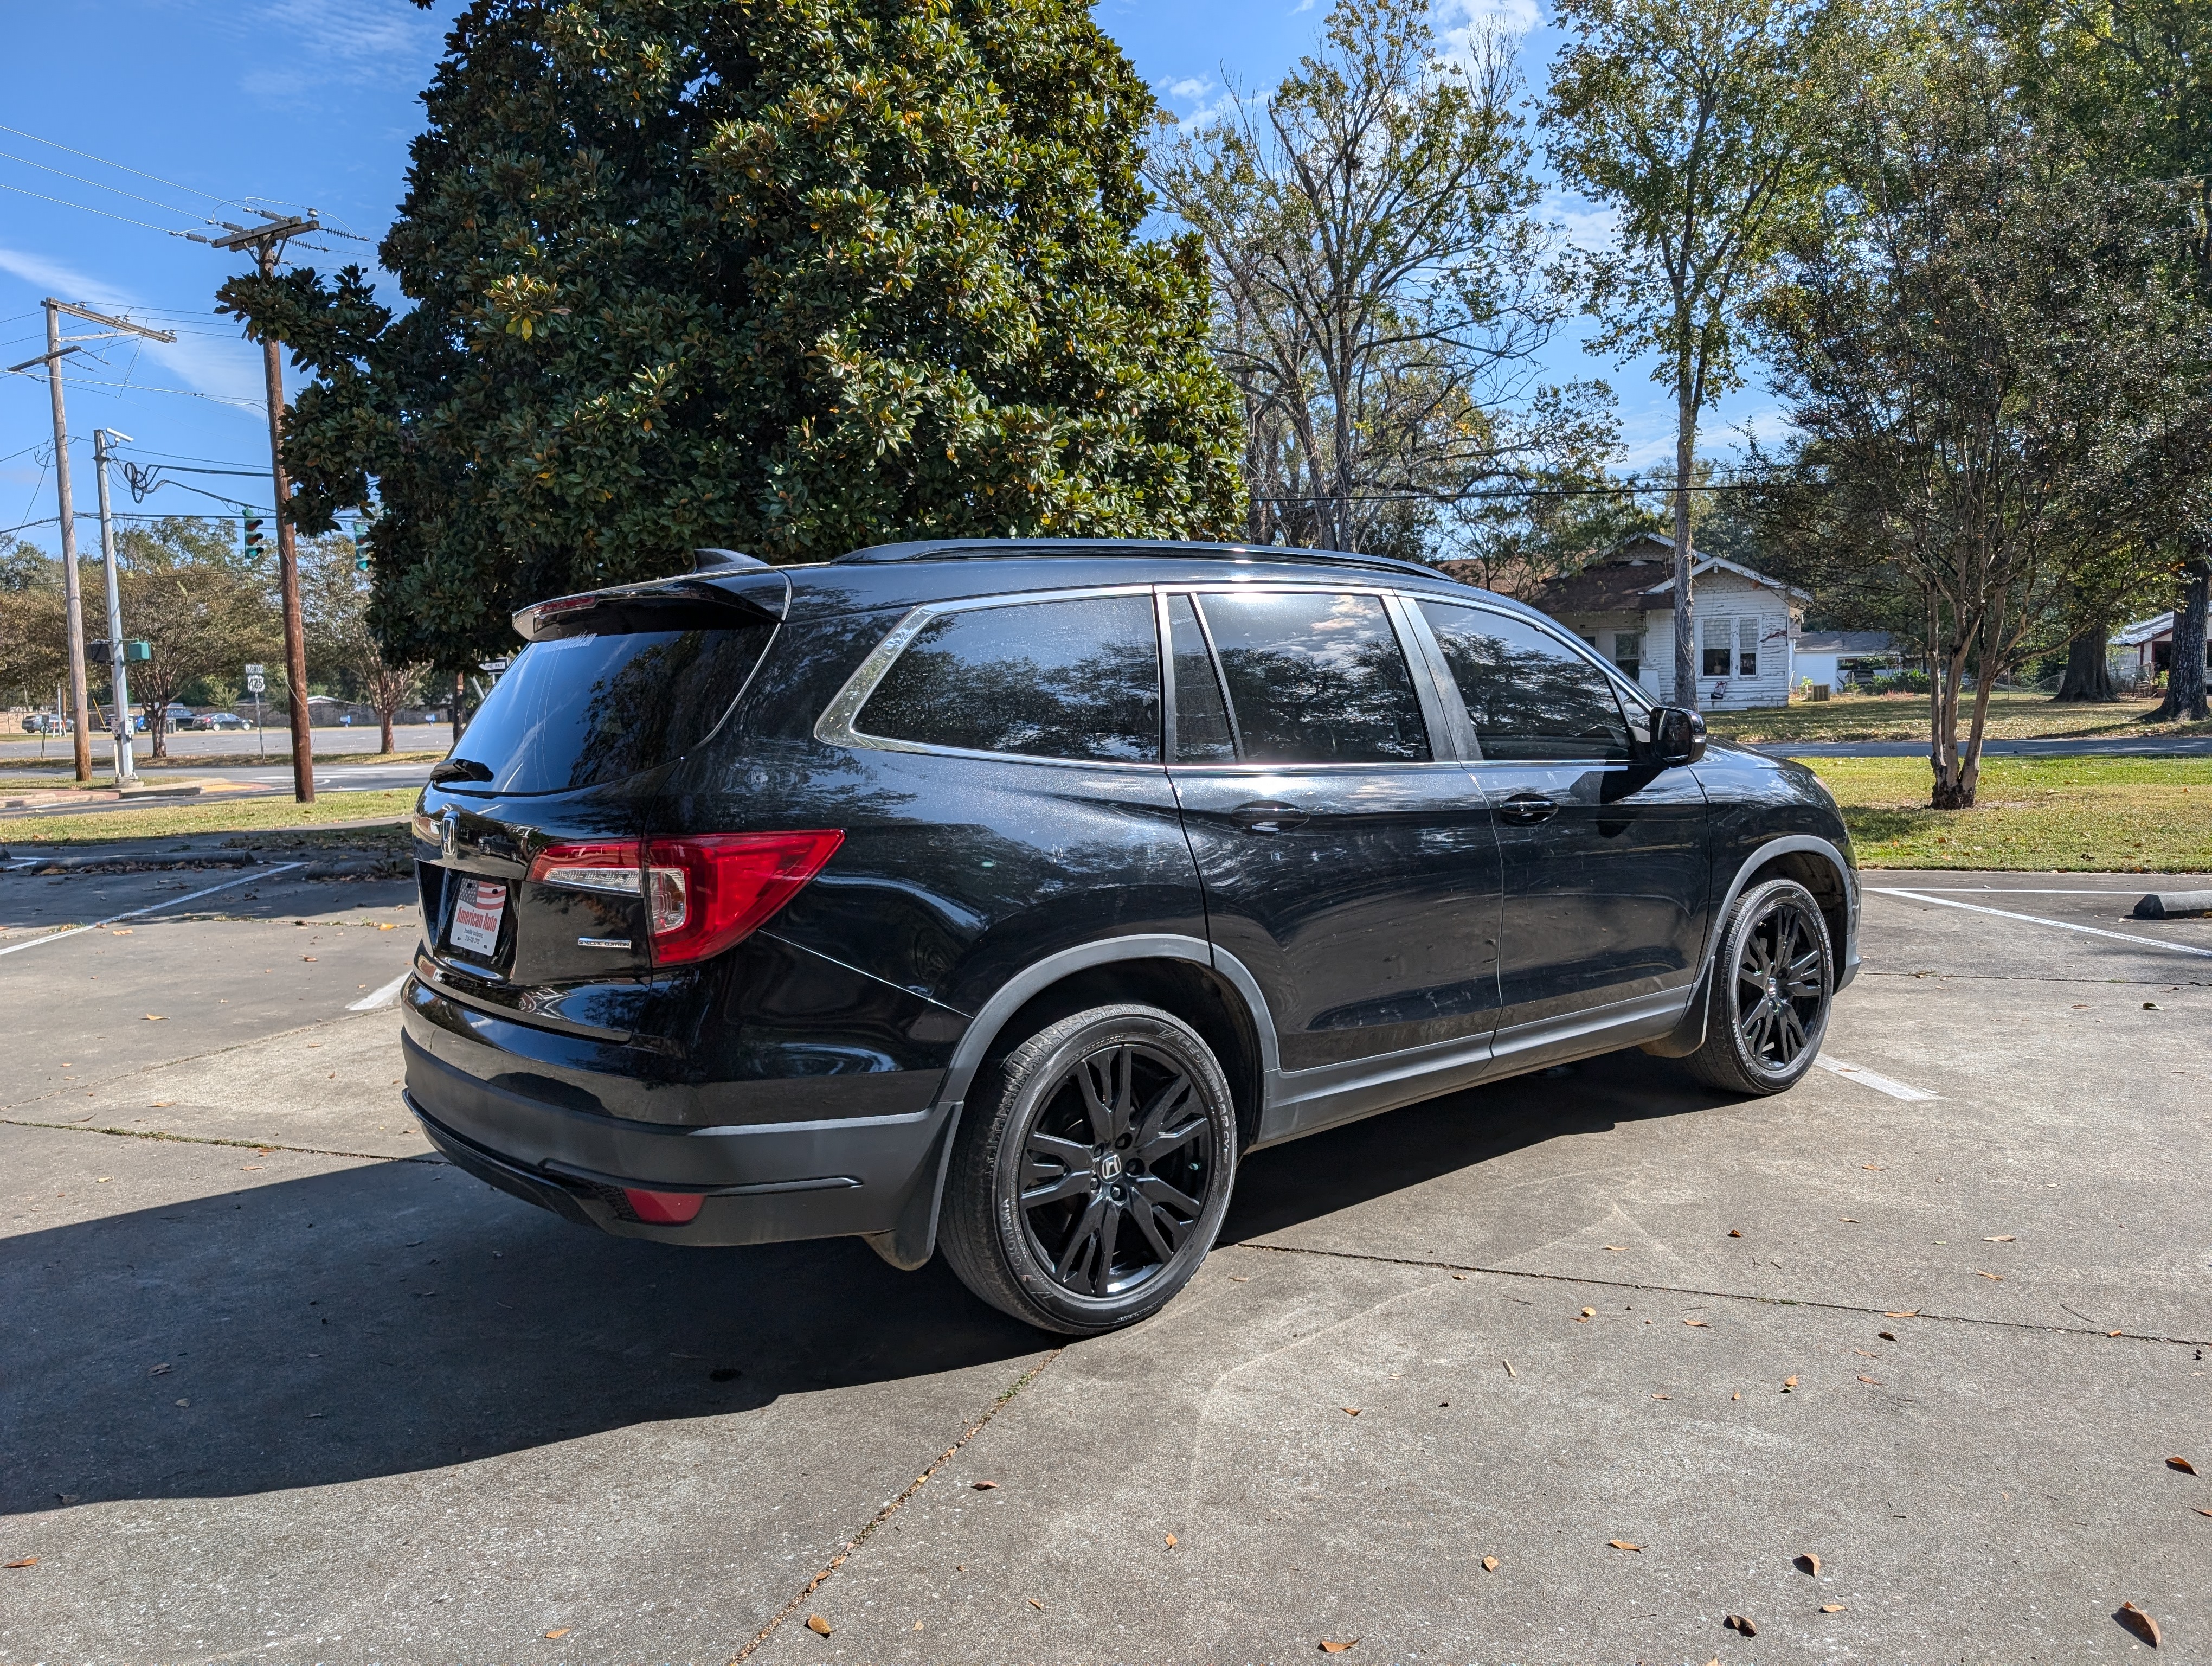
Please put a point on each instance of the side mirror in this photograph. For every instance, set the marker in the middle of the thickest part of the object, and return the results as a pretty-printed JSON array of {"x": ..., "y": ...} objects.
[{"x": 1677, "y": 736}]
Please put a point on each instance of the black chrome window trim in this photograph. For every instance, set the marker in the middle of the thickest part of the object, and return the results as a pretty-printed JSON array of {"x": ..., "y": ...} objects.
[
  {"x": 838, "y": 725},
  {"x": 1464, "y": 723}
]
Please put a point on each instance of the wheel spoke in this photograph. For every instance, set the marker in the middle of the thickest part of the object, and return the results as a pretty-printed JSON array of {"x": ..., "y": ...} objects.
[
  {"x": 1047, "y": 1148},
  {"x": 1160, "y": 1191},
  {"x": 1790, "y": 1034},
  {"x": 1081, "y": 1242},
  {"x": 1163, "y": 1105},
  {"x": 1109, "y": 1229},
  {"x": 1161, "y": 1228},
  {"x": 1058, "y": 1188}
]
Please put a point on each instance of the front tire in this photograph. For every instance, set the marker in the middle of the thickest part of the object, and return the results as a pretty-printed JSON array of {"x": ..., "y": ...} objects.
[
  {"x": 1091, "y": 1171},
  {"x": 1772, "y": 980}
]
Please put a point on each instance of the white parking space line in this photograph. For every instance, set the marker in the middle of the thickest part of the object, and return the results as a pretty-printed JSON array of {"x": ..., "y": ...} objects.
[
  {"x": 2055, "y": 925},
  {"x": 386, "y": 996},
  {"x": 2027, "y": 891},
  {"x": 1879, "y": 1083},
  {"x": 151, "y": 908}
]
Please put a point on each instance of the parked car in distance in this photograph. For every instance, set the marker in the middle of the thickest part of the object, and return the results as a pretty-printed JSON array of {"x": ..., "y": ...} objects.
[
  {"x": 1004, "y": 896},
  {"x": 45, "y": 723},
  {"x": 215, "y": 721}
]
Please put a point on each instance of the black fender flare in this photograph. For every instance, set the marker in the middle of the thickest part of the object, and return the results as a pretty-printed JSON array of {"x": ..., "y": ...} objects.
[
  {"x": 1688, "y": 1035},
  {"x": 910, "y": 1243}
]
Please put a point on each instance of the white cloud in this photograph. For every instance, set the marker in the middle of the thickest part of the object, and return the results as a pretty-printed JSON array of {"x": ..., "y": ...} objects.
[
  {"x": 1461, "y": 24},
  {"x": 227, "y": 370},
  {"x": 1587, "y": 225},
  {"x": 306, "y": 44},
  {"x": 1190, "y": 87}
]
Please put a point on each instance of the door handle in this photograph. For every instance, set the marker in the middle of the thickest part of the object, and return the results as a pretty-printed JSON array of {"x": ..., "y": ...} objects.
[
  {"x": 1267, "y": 815},
  {"x": 1527, "y": 809}
]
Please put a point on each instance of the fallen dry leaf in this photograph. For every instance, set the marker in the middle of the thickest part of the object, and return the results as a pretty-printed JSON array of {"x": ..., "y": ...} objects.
[
  {"x": 1875, "y": 1167},
  {"x": 1589, "y": 1313},
  {"x": 1887, "y": 1336},
  {"x": 1874, "y": 1381},
  {"x": 1490, "y": 1563},
  {"x": 1696, "y": 1324},
  {"x": 551, "y": 1637},
  {"x": 817, "y": 1625},
  {"x": 1616, "y": 1246},
  {"x": 1740, "y": 1622},
  {"x": 1832, "y": 1608},
  {"x": 1734, "y": 1233},
  {"x": 1622, "y": 1544},
  {"x": 1789, "y": 1382},
  {"x": 22, "y": 1561},
  {"x": 984, "y": 1486},
  {"x": 2114, "y": 1333},
  {"x": 157, "y": 1018},
  {"x": 248, "y": 1168},
  {"x": 2182, "y": 1464},
  {"x": 1170, "y": 1541},
  {"x": 1848, "y": 1220},
  {"x": 159, "y": 1371},
  {"x": 1992, "y": 1277},
  {"x": 2002, "y": 1237},
  {"x": 1807, "y": 1562},
  {"x": 2200, "y": 1509},
  {"x": 2138, "y": 1622},
  {"x": 1462, "y": 1277},
  {"x": 307, "y": 956},
  {"x": 1330, "y": 1646},
  {"x": 1738, "y": 1395},
  {"x": 1663, "y": 1396},
  {"x": 1038, "y": 1606},
  {"x": 1239, "y": 1278},
  {"x": 1909, "y": 1313},
  {"x": 124, "y": 931},
  {"x": 1349, "y": 1411}
]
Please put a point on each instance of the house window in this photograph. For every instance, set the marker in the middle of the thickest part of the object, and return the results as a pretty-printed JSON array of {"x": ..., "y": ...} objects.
[
  {"x": 1715, "y": 634},
  {"x": 1746, "y": 648},
  {"x": 1628, "y": 653}
]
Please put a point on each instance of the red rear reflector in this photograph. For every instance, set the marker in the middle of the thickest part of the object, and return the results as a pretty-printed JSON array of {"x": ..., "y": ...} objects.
[
  {"x": 665, "y": 1208},
  {"x": 707, "y": 892}
]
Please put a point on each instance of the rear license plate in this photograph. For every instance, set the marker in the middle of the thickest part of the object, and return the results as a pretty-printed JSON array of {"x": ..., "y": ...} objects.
[{"x": 476, "y": 915}]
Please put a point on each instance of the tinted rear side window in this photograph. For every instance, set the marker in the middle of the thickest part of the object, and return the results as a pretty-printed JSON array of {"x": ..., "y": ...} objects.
[
  {"x": 579, "y": 711},
  {"x": 1079, "y": 678},
  {"x": 1315, "y": 678},
  {"x": 1530, "y": 695}
]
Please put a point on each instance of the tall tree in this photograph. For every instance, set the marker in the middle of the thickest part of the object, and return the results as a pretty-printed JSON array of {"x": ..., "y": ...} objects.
[
  {"x": 334, "y": 596},
  {"x": 790, "y": 276},
  {"x": 1982, "y": 334},
  {"x": 1702, "y": 124},
  {"x": 1381, "y": 284},
  {"x": 203, "y": 611},
  {"x": 2134, "y": 78},
  {"x": 34, "y": 629}
]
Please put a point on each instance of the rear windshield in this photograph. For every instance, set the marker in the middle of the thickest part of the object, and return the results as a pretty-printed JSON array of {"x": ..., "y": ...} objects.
[{"x": 586, "y": 710}]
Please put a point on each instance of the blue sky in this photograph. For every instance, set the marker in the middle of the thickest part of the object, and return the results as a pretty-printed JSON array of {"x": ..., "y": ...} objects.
[{"x": 171, "y": 113}]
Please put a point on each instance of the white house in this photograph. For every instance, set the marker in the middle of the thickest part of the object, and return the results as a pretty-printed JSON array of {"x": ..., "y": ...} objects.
[
  {"x": 1624, "y": 606},
  {"x": 1837, "y": 657},
  {"x": 2142, "y": 652}
]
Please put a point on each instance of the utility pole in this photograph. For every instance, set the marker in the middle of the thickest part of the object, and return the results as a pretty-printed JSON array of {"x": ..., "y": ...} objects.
[
  {"x": 117, "y": 649},
  {"x": 266, "y": 243},
  {"x": 73, "y": 600}
]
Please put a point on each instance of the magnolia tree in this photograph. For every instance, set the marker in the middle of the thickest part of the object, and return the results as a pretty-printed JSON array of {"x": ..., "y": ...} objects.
[{"x": 789, "y": 278}]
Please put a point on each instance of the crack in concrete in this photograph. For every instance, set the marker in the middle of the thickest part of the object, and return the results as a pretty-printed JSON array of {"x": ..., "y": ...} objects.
[
  {"x": 891, "y": 1509},
  {"x": 211, "y": 1140},
  {"x": 1720, "y": 1295}
]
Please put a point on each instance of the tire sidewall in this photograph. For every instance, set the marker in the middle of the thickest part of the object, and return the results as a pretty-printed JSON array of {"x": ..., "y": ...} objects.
[
  {"x": 1058, "y": 1307},
  {"x": 1755, "y": 904}
]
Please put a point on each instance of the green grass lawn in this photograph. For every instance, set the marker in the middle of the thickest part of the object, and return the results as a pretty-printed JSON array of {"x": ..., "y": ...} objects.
[
  {"x": 1905, "y": 717},
  {"x": 388, "y": 811},
  {"x": 2086, "y": 815}
]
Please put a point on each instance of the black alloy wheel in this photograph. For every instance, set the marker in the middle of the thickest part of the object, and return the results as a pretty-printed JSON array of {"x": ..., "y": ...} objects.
[
  {"x": 1087, "y": 1186},
  {"x": 1771, "y": 987}
]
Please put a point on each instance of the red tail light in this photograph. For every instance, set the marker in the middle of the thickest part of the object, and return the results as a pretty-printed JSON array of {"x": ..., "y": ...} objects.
[
  {"x": 703, "y": 892},
  {"x": 710, "y": 889}
]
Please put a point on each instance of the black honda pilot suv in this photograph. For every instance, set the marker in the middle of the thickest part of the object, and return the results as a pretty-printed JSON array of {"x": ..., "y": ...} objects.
[{"x": 1006, "y": 895}]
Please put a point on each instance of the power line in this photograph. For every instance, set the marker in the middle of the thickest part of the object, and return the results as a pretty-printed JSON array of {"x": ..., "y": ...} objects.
[
  {"x": 164, "y": 230},
  {"x": 192, "y": 190},
  {"x": 96, "y": 185}
]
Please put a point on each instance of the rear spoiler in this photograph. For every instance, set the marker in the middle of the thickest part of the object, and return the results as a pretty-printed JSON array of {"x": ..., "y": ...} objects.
[{"x": 720, "y": 595}]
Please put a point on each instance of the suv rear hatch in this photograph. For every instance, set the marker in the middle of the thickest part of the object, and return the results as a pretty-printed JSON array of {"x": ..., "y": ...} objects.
[{"x": 540, "y": 878}]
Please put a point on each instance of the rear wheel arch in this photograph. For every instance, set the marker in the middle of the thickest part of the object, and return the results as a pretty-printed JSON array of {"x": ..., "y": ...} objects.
[{"x": 1211, "y": 991}]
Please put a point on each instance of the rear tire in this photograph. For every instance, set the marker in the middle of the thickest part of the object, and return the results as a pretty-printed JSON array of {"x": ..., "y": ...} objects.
[
  {"x": 1091, "y": 1171},
  {"x": 1769, "y": 991}
]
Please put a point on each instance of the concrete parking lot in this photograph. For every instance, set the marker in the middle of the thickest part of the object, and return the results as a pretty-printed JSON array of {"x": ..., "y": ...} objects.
[{"x": 1571, "y": 1368}]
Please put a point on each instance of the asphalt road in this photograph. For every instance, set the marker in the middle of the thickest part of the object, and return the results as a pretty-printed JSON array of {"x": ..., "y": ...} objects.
[
  {"x": 280, "y": 1385},
  {"x": 186, "y": 744}
]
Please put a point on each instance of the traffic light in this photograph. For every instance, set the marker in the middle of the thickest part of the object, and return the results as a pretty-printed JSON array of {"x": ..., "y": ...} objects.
[
  {"x": 254, "y": 544},
  {"x": 96, "y": 653}
]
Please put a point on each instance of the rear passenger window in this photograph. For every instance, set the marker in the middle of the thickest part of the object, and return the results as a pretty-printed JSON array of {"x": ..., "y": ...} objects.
[
  {"x": 1315, "y": 678},
  {"x": 1201, "y": 722},
  {"x": 1530, "y": 695},
  {"x": 1075, "y": 679}
]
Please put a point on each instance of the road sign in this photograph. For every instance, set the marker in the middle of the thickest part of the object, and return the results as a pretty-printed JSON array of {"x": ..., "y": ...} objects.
[
  {"x": 255, "y": 685},
  {"x": 255, "y": 671}
]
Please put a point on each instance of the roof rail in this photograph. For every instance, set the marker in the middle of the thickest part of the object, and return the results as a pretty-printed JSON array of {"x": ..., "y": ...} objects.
[{"x": 975, "y": 547}]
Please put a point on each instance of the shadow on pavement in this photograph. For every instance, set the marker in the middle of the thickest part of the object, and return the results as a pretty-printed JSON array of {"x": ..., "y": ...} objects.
[
  {"x": 1328, "y": 1172},
  {"x": 395, "y": 1317}
]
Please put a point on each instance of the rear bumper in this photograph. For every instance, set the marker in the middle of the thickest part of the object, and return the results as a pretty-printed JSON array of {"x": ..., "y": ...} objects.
[{"x": 763, "y": 1182}]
